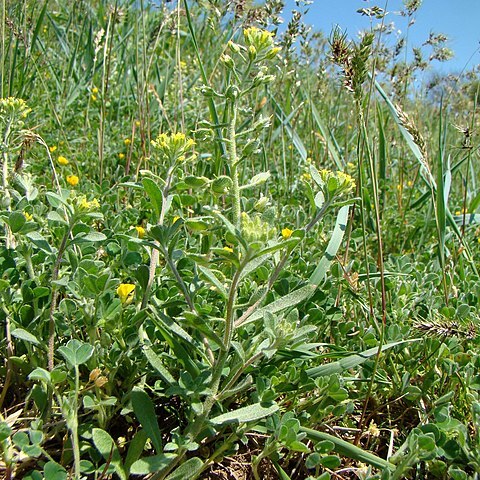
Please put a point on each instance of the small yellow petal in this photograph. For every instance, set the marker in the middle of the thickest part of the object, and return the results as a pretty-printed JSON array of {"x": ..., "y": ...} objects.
[
  {"x": 62, "y": 160},
  {"x": 140, "y": 231},
  {"x": 286, "y": 233},
  {"x": 125, "y": 292}
]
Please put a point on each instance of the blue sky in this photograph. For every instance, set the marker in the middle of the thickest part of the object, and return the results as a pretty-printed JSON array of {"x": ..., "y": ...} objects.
[{"x": 458, "y": 19}]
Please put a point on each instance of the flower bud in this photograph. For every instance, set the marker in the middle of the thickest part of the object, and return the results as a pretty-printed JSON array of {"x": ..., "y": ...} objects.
[
  {"x": 227, "y": 60},
  {"x": 252, "y": 53}
]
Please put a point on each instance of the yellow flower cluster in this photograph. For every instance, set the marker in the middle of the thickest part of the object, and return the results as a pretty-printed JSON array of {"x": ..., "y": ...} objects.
[
  {"x": 87, "y": 206},
  {"x": 174, "y": 146},
  {"x": 336, "y": 183},
  {"x": 260, "y": 42},
  {"x": 14, "y": 107}
]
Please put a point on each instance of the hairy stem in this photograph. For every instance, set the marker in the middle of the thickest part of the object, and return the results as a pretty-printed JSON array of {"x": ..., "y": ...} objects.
[{"x": 233, "y": 164}]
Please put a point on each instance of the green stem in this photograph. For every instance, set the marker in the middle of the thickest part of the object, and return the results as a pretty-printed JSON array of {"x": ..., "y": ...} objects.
[
  {"x": 279, "y": 267},
  {"x": 9, "y": 240},
  {"x": 74, "y": 426},
  {"x": 53, "y": 303},
  {"x": 155, "y": 252},
  {"x": 233, "y": 164},
  {"x": 382, "y": 327},
  {"x": 217, "y": 370}
]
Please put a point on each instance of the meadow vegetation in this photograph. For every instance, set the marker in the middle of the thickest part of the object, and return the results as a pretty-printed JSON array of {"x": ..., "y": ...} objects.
[{"x": 233, "y": 249}]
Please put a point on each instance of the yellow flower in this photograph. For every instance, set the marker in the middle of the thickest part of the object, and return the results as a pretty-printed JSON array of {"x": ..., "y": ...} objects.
[
  {"x": 127, "y": 141},
  {"x": 62, "y": 160},
  {"x": 94, "y": 90},
  {"x": 175, "y": 218},
  {"x": 121, "y": 156},
  {"x": 174, "y": 146},
  {"x": 72, "y": 180},
  {"x": 137, "y": 123},
  {"x": 409, "y": 183},
  {"x": 286, "y": 233},
  {"x": 228, "y": 249},
  {"x": 84, "y": 204},
  {"x": 28, "y": 216},
  {"x": 140, "y": 231},
  {"x": 93, "y": 97},
  {"x": 52, "y": 148},
  {"x": 126, "y": 292}
]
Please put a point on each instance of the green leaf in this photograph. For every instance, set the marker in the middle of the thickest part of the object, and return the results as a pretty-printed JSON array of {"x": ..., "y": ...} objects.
[
  {"x": 151, "y": 464},
  {"x": 329, "y": 139},
  {"x": 56, "y": 217},
  {"x": 154, "y": 193},
  {"x": 76, "y": 352},
  {"x": 39, "y": 292},
  {"x": 24, "y": 335},
  {"x": 330, "y": 461},
  {"x": 40, "y": 374},
  {"x": 92, "y": 236},
  {"x": 259, "y": 178},
  {"x": 211, "y": 277},
  {"x": 53, "y": 471},
  {"x": 39, "y": 241},
  {"x": 333, "y": 245},
  {"x": 135, "y": 449},
  {"x": 156, "y": 362},
  {"x": 287, "y": 301},
  {"x": 351, "y": 361},
  {"x": 145, "y": 412},
  {"x": 196, "y": 224},
  {"x": 5, "y": 431},
  {"x": 56, "y": 200},
  {"x": 106, "y": 446},
  {"x": 16, "y": 220},
  {"x": 195, "y": 182},
  {"x": 190, "y": 469},
  {"x": 346, "y": 449},
  {"x": 245, "y": 414}
]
